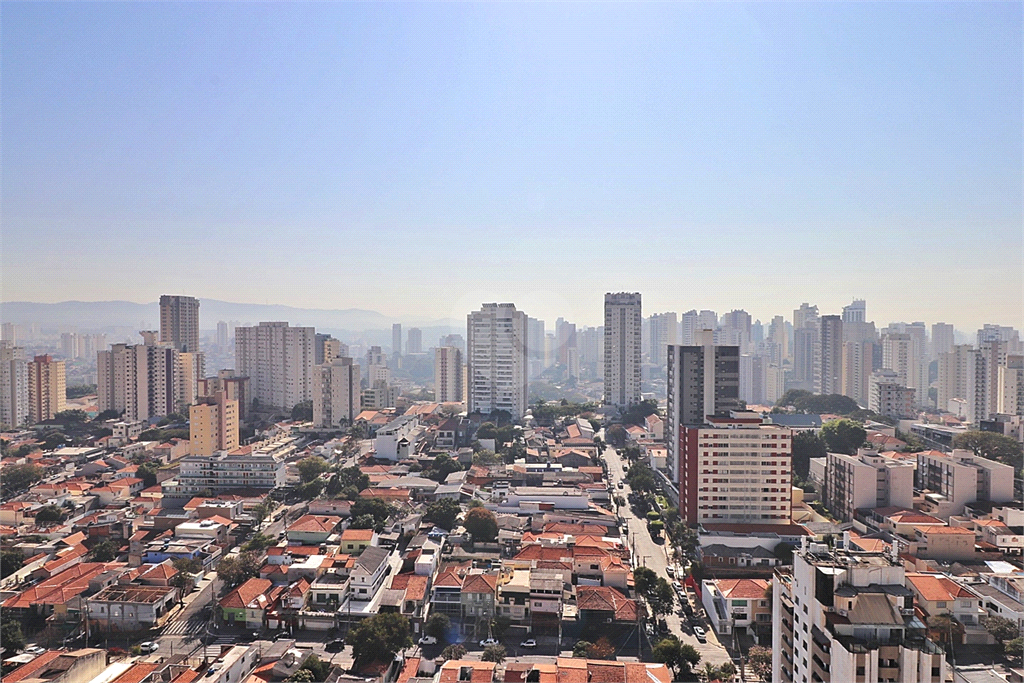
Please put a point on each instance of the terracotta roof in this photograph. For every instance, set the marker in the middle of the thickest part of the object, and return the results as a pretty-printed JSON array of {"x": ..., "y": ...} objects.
[
  {"x": 316, "y": 523},
  {"x": 137, "y": 673},
  {"x": 740, "y": 589},
  {"x": 414, "y": 585},
  {"x": 482, "y": 672},
  {"x": 606, "y": 599},
  {"x": 942, "y": 529},
  {"x": 539, "y": 552},
  {"x": 60, "y": 588},
  {"x": 186, "y": 676},
  {"x": 935, "y": 587},
  {"x": 246, "y": 593},
  {"x": 357, "y": 535},
  {"x": 409, "y": 670},
  {"x": 480, "y": 583},
  {"x": 28, "y": 670}
]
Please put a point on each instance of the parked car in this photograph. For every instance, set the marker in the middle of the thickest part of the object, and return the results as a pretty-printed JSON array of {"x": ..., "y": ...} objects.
[
  {"x": 701, "y": 634},
  {"x": 35, "y": 650},
  {"x": 149, "y": 646},
  {"x": 428, "y": 640},
  {"x": 279, "y": 635},
  {"x": 529, "y": 643},
  {"x": 336, "y": 645},
  {"x": 671, "y": 571},
  {"x": 489, "y": 641}
]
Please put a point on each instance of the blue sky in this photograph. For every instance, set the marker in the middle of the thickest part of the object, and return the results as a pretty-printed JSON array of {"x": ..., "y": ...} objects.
[{"x": 423, "y": 158}]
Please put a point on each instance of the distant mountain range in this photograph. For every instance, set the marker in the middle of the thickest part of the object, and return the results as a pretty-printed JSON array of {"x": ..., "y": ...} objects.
[{"x": 104, "y": 314}]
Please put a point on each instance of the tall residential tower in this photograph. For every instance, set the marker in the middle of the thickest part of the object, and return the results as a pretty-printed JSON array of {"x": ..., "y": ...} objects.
[{"x": 622, "y": 348}]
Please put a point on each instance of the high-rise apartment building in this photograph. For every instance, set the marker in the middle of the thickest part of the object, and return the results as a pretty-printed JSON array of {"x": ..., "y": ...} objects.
[
  {"x": 889, "y": 396},
  {"x": 179, "y": 322},
  {"x": 46, "y": 388},
  {"x": 845, "y": 615},
  {"x": 702, "y": 380},
  {"x": 415, "y": 341},
  {"x": 1001, "y": 333},
  {"x": 565, "y": 339},
  {"x": 866, "y": 480},
  {"x": 983, "y": 380},
  {"x": 956, "y": 367},
  {"x": 191, "y": 371},
  {"x": 858, "y": 358},
  {"x": 1010, "y": 386},
  {"x": 235, "y": 388},
  {"x": 496, "y": 359},
  {"x": 278, "y": 360},
  {"x": 448, "y": 375},
  {"x": 213, "y": 424},
  {"x": 734, "y": 329},
  {"x": 336, "y": 393},
  {"x": 806, "y": 348},
  {"x": 901, "y": 353},
  {"x": 223, "y": 335},
  {"x": 664, "y": 328},
  {"x": 140, "y": 380},
  {"x": 622, "y": 348},
  {"x": 328, "y": 348},
  {"x": 855, "y": 312},
  {"x": 735, "y": 470},
  {"x": 14, "y": 410},
  {"x": 396, "y": 339},
  {"x": 943, "y": 339},
  {"x": 591, "y": 345},
  {"x": 831, "y": 344},
  {"x": 534, "y": 346}
]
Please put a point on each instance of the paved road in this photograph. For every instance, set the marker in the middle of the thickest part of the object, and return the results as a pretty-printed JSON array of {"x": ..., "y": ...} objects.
[{"x": 647, "y": 553}]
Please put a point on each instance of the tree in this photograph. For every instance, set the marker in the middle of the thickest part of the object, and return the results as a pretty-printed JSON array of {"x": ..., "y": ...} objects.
[
  {"x": 376, "y": 508},
  {"x": 1014, "y": 649},
  {"x": 616, "y": 436},
  {"x": 760, "y": 661},
  {"x": 380, "y": 637},
  {"x": 946, "y": 628},
  {"x": 50, "y": 514},
  {"x": 10, "y": 562},
  {"x": 11, "y": 636},
  {"x": 318, "y": 668},
  {"x": 353, "y": 476},
  {"x": 580, "y": 649},
  {"x": 482, "y": 524},
  {"x": 311, "y": 468},
  {"x": 727, "y": 670},
  {"x": 442, "y": 466},
  {"x": 843, "y": 435},
  {"x": 259, "y": 542},
  {"x": 493, "y": 653},
  {"x": 186, "y": 568},
  {"x": 235, "y": 571},
  {"x": 444, "y": 513},
  {"x": 637, "y": 412},
  {"x": 602, "y": 649},
  {"x": 992, "y": 446},
  {"x": 676, "y": 656},
  {"x": 806, "y": 445},
  {"x": 262, "y": 511},
  {"x": 454, "y": 651},
  {"x": 301, "y": 676},
  {"x": 641, "y": 478},
  {"x": 438, "y": 625},
  {"x": 147, "y": 473},
  {"x": 486, "y": 457},
  {"x": 1002, "y": 629},
  {"x": 105, "y": 551},
  {"x": 363, "y": 522},
  {"x": 310, "y": 490},
  {"x": 71, "y": 417},
  {"x": 644, "y": 580},
  {"x": 662, "y": 598},
  {"x": 303, "y": 411},
  {"x": 18, "y": 477}
]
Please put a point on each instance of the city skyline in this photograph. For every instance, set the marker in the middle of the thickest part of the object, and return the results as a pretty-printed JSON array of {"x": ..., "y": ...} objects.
[{"x": 729, "y": 155}]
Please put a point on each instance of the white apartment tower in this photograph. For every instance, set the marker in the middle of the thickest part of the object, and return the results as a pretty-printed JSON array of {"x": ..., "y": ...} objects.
[
  {"x": 496, "y": 360},
  {"x": 831, "y": 377},
  {"x": 1010, "y": 398},
  {"x": 278, "y": 360},
  {"x": 856, "y": 380},
  {"x": 14, "y": 410},
  {"x": 942, "y": 339},
  {"x": 448, "y": 376},
  {"x": 866, "y": 480},
  {"x": 956, "y": 367},
  {"x": 664, "y": 328},
  {"x": 622, "y": 348},
  {"x": 901, "y": 353},
  {"x": 140, "y": 380},
  {"x": 336, "y": 393}
]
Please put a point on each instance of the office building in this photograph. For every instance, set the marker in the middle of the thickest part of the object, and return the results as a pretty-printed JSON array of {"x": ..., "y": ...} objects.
[
  {"x": 845, "y": 615},
  {"x": 448, "y": 375},
  {"x": 496, "y": 359},
  {"x": 664, "y": 329},
  {"x": 701, "y": 380},
  {"x": 865, "y": 481},
  {"x": 236, "y": 389},
  {"x": 831, "y": 376},
  {"x": 336, "y": 393},
  {"x": 888, "y": 396},
  {"x": 622, "y": 348},
  {"x": 278, "y": 360},
  {"x": 858, "y": 357},
  {"x": 734, "y": 469},
  {"x": 213, "y": 424},
  {"x": 943, "y": 339},
  {"x": 396, "y": 339},
  {"x": 179, "y": 322},
  {"x": 46, "y": 388},
  {"x": 415, "y": 340},
  {"x": 14, "y": 410}
]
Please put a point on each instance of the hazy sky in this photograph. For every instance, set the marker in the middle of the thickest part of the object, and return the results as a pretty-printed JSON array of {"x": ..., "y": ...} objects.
[{"x": 424, "y": 158}]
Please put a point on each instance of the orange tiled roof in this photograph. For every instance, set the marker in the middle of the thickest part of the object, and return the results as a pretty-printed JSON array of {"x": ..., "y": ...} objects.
[
  {"x": 316, "y": 523},
  {"x": 606, "y": 599},
  {"x": 36, "y": 665},
  {"x": 137, "y": 673},
  {"x": 934, "y": 587},
  {"x": 246, "y": 593},
  {"x": 480, "y": 583},
  {"x": 740, "y": 589}
]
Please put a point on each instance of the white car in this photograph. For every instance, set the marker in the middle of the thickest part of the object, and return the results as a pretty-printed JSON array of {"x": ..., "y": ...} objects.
[
  {"x": 530, "y": 643},
  {"x": 428, "y": 640},
  {"x": 489, "y": 641},
  {"x": 35, "y": 650},
  {"x": 149, "y": 647}
]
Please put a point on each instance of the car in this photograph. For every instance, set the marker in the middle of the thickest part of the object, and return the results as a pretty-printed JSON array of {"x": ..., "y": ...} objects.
[
  {"x": 35, "y": 650},
  {"x": 671, "y": 571},
  {"x": 279, "y": 635},
  {"x": 428, "y": 640},
  {"x": 488, "y": 642},
  {"x": 149, "y": 646},
  {"x": 662, "y": 625},
  {"x": 336, "y": 645},
  {"x": 701, "y": 634},
  {"x": 529, "y": 643}
]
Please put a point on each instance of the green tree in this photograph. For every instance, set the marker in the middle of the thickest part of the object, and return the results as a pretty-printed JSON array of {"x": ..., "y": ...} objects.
[
  {"x": 301, "y": 676},
  {"x": 11, "y": 636},
  {"x": 1014, "y": 649},
  {"x": 376, "y": 508},
  {"x": 262, "y": 511},
  {"x": 454, "y": 651},
  {"x": 992, "y": 446},
  {"x": 50, "y": 514},
  {"x": 71, "y": 417},
  {"x": 602, "y": 649},
  {"x": 760, "y": 661},
  {"x": 363, "y": 522},
  {"x": 482, "y": 524},
  {"x": 676, "y": 656},
  {"x": 259, "y": 542},
  {"x": 317, "y": 667},
  {"x": 310, "y": 490},
  {"x": 580, "y": 649},
  {"x": 235, "y": 571},
  {"x": 644, "y": 580},
  {"x": 18, "y": 477},
  {"x": 311, "y": 468},
  {"x": 442, "y": 466},
  {"x": 105, "y": 551},
  {"x": 380, "y": 637},
  {"x": 843, "y": 435},
  {"x": 353, "y": 476},
  {"x": 303, "y": 411},
  {"x": 486, "y": 457},
  {"x": 1002, "y": 629},
  {"x": 641, "y": 478},
  {"x": 444, "y": 513},
  {"x": 10, "y": 562},
  {"x": 615, "y": 436},
  {"x": 637, "y": 412},
  {"x": 147, "y": 473},
  {"x": 806, "y": 445},
  {"x": 186, "y": 568},
  {"x": 438, "y": 625},
  {"x": 493, "y": 653}
]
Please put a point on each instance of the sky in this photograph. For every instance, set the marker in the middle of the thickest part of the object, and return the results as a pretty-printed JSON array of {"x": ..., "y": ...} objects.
[{"x": 424, "y": 158}]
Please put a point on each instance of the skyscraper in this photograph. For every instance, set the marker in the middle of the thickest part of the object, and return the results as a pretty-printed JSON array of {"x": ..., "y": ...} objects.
[
  {"x": 222, "y": 334},
  {"x": 535, "y": 346},
  {"x": 806, "y": 348},
  {"x": 496, "y": 356},
  {"x": 213, "y": 424},
  {"x": 46, "y": 388},
  {"x": 140, "y": 380},
  {"x": 956, "y": 367},
  {"x": 415, "y": 340},
  {"x": 396, "y": 339},
  {"x": 448, "y": 377},
  {"x": 179, "y": 322},
  {"x": 858, "y": 357},
  {"x": 13, "y": 385},
  {"x": 664, "y": 328},
  {"x": 278, "y": 360},
  {"x": 943, "y": 339},
  {"x": 831, "y": 355},
  {"x": 622, "y": 348},
  {"x": 336, "y": 392}
]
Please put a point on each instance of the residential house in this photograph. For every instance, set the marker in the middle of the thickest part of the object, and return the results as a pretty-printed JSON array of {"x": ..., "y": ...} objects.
[
  {"x": 355, "y": 541},
  {"x": 313, "y": 529},
  {"x": 368, "y": 574},
  {"x": 479, "y": 590},
  {"x": 739, "y": 606},
  {"x": 234, "y": 606},
  {"x": 605, "y": 609},
  {"x": 936, "y": 594},
  {"x": 131, "y": 608}
]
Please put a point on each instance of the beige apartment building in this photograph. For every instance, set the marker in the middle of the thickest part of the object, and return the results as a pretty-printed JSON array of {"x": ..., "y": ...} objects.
[
  {"x": 213, "y": 424},
  {"x": 46, "y": 388}
]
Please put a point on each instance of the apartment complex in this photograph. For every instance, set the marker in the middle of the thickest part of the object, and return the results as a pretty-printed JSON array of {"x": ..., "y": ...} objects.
[
  {"x": 963, "y": 477},
  {"x": 13, "y": 385},
  {"x": 140, "y": 380},
  {"x": 336, "y": 393},
  {"x": 622, "y": 348},
  {"x": 448, "y": 375},
  {"x": 496, "y": 360},
  {"x": 889, "y": 396},
  {"x": 866, "y": 480},
  {"x": 278, "y": 360},
  {"x": 858, "y": 357},
  {"x": 831, "y": 376},
  {"x": 845, "y": 615},
  {"x": 236, "y": 388},
  {"x": 47, "y": 393},
  {"x": 735, "y": 469},
  {"x": 213, "y": 424},
  {"x": 702, "y": 380},
  {"x": 221, "y": 472},
  {"x": 663, "y": 331},
  {"x": 179, "y": 322}
]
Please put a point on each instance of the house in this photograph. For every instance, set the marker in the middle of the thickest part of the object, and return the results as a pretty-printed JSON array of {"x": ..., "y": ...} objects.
[
  {"x": 945, "y": 543},
  {"x": 735, "y": 604},
  {"x": 312, "y": 529},
  {"x": 602, "y": 608},
  {"x": 466, "y": 671},
  {"x": 446, "y": 593},
  {"x": 936, "y": 594},
  {"x": 718, "y": 558},
  {"x": 368, "y": 574},
  {"x": 479, "y": 590},
  {"x": 355, "y": 541},
  {"x": 131, "y": 608},
  {"x": 233, "y": 606},
  {"x": 55, "y": 666},
  {"x": 413, "y": 599}
]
